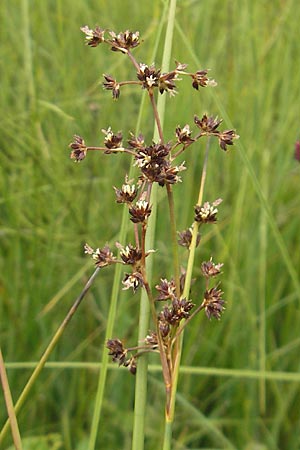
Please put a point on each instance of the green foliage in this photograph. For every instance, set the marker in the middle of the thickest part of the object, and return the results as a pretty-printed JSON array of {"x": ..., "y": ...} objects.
[{"x": 50, "y": 206}]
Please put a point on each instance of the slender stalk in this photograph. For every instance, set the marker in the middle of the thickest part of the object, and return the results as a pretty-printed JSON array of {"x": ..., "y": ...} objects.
[
  {"x": 157, "y": 118},
  {"x": 9, "y": 405},
  {"x": 174, "y": 239},
  {"x": 144, "y": 318},
  {"x": 141, "y": 375},
  {"x": 108, "y": 334},
  {"x": 48, "y": 352}
]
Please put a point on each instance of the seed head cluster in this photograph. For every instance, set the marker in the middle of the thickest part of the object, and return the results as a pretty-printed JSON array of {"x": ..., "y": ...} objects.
[{"x": 157, "y": 162}]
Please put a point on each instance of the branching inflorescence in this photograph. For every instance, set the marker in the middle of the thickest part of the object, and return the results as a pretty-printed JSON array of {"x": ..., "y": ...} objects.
[{"x": 157, "y": 163}]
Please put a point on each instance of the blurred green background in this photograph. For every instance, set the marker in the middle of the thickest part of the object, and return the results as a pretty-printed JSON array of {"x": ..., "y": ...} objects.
[{"x": 49, "y": 207}]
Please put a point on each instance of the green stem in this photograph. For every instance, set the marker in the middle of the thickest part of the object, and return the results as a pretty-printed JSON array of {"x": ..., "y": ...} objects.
[
  {"x": 9, "y": 405},
  {"x": 48, "y": 352},
  {"x": 142, "y": 367},
  {"x": 144, "y": 318},
  {"x": 108, "y": 335},
  {"x": 174, "y": 239}
]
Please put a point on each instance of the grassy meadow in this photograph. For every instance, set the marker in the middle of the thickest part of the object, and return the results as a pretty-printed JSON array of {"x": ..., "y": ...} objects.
[{"x": 239, "y": 387}]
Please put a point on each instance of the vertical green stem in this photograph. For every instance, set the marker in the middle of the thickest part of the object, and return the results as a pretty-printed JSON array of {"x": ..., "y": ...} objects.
[
  {"x": 108, "y": 334},
  {"x": 9, "y": 405},
  {"x": 174, "y": 239},
  {"x": 141, "y": 375}
]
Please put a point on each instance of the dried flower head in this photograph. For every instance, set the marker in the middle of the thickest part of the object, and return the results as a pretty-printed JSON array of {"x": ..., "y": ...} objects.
[
  {"x": 164, "y": 327},
  {"x": 226, "y": 138},
  {"x": 151, "y": 340},
  {"x": 166, "y": 83},
  {"x": 110, "y": 84},
  {"x": 185, "y": 238},
  {"x": 207, "y": 124},
  {"x": 137, "y": 142},
  {"x": 155, "y": 164},
  {"x": 207, "y": 213},
  {"x": 117, "y": 351},
  {"x": 129, "y": 254},
  {"x": 112, "y": 141},
  {"x": 210, "y": 269},
  {"x": 133, "y": 280},
  {"x": 124, "y": 41},
  {"x": 149, "y": 76},
  {"x": 127, "y": 193},
  {"x": 180, "y": 67},
  {"x": 131, "y": 365},
  {"x": 93, "y": 37},
  {"x": 166, "y": 289},
  {"x": 102, "y": 256},
  {"x": 153, "y": 156},
  {"x": 179, "y": 309},
  {"x": 184, "y": 135},
  {"x": 140, "y": 211},
  {"x": 200, "y": 79},
  {"x": 213, "y": 302},
  {"x": 79, "y": 149}
]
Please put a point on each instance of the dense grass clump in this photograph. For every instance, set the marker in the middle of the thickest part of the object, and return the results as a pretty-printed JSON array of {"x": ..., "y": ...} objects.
[{"x": 239, "y": 387}]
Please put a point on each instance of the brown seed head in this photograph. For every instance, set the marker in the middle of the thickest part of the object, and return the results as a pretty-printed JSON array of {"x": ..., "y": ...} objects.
[
  {"x": 179, "y": 309},
  {"x": 127, "y": 193},
  {"x": 149, "y": 76},
  {"x": 185, "y": 238},
  {"x": 117, "y": 351},
  {"x": 110, "y": 84},
  {"x": 207, "y": 213},
  {"x": 93, "y": 37},
  {"x": 133, "y": 280},
  {"x": 112, "y": 141},
  {"x": 213, "y": 302},
  {"x": 166, "y": 83},
  {"x": 129, "y": 254},
  {"x": 151, "y": 340},
  {"x": 210, "y": 269},
  {"x": 200, "y": 79},
  {"x": 226, "y": 138},
  {"x": 137, "y": 142},
  {"x": 79, "y": 149},
  {"x": 124, "y": 41},
  {"x": 184, "y": 135},
  {"x": 102, "y": 256},
  {"x": 207, "y": 124},
  {"x": 166, "y": 289},
  {"x": 140, "y": 211}
]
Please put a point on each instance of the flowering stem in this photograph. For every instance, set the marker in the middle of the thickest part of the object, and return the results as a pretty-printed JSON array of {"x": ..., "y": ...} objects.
[
  {"x": 133, "y": 60},
  {"x": 141, "y": 375},
  {"x": 157, "y": 117},
  {"x": 115, "y": 150},
  {"x": 48, "y": 351},
  {"x": 9, "y": 405}
]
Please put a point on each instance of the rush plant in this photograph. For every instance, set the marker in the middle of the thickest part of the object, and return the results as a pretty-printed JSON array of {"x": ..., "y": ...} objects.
[
  {"x": 158, "y": 163},
  {"x": 168, "y": 305}
]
